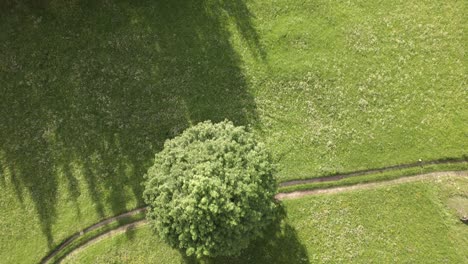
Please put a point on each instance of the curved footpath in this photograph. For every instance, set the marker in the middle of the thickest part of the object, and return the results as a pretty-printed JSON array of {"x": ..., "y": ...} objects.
[
  {"x": 89, "y": 229},
  {"x": 340, "y": 176},
  {"x": 110, "y": 233},
  {"x": 279, "y": 196},
  {"x": 371, "y": 185}
]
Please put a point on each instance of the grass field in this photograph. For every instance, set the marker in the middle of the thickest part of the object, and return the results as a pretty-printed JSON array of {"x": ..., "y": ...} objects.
[
  {"x": 89, "y": 91},
  {"x": 408, "y": 223}
]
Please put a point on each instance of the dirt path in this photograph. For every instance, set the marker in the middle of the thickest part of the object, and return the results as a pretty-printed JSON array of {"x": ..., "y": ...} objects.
[
  {"x": 279, "y": 196},
  {"x": 110, "y": 233},
  {"x": 298, "y": 194},
  {"x": 89, "y": 229},
  {"x": 340, "y": 176}
]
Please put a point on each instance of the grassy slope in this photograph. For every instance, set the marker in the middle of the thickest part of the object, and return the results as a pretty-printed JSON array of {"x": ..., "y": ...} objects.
[
  {"x": 409, "y": 223},
  {"x": 90, "y": 91}
]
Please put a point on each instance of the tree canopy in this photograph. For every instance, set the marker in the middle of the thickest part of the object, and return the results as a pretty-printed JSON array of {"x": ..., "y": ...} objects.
[{"x": 211, "y": 190}]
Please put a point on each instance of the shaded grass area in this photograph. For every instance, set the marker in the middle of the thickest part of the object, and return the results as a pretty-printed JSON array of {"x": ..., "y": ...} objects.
[
  {"x": 91, "y": 89},
  {"x": 413, "y": 222}
]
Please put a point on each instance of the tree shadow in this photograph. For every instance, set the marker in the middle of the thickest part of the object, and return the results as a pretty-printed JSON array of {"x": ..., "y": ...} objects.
[
  {"x": 280, "y": 244},
  {"x": 92, "y": 89}
]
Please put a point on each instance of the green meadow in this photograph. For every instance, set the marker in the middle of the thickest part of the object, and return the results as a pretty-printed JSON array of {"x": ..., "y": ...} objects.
[{"x": 90, "y": 90}]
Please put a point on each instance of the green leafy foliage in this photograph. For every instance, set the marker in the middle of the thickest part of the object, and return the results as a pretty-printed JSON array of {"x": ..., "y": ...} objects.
[{"x": 210, "y": 190}]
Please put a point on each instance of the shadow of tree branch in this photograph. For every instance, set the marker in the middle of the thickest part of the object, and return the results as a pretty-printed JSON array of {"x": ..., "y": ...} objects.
[{"x": 92, "y": 89}]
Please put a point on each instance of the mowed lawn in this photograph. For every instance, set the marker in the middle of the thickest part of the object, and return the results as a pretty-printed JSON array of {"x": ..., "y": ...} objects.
[
  {"x": 409, "y": 223},
  {"x": 89, "y": 91}
]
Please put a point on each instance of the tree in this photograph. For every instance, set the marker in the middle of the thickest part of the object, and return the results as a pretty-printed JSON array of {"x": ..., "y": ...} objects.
[{"x": 211, "y": 190}]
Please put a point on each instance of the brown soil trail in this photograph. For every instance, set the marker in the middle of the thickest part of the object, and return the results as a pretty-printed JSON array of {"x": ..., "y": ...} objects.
[
  {"x": 110, "y": 233},
  {"x": 89, "y": 229},
  {"x": 279, "y": 196},
  {"x": 340, "y": 176},
  {"x": 418, "y": 177}
]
